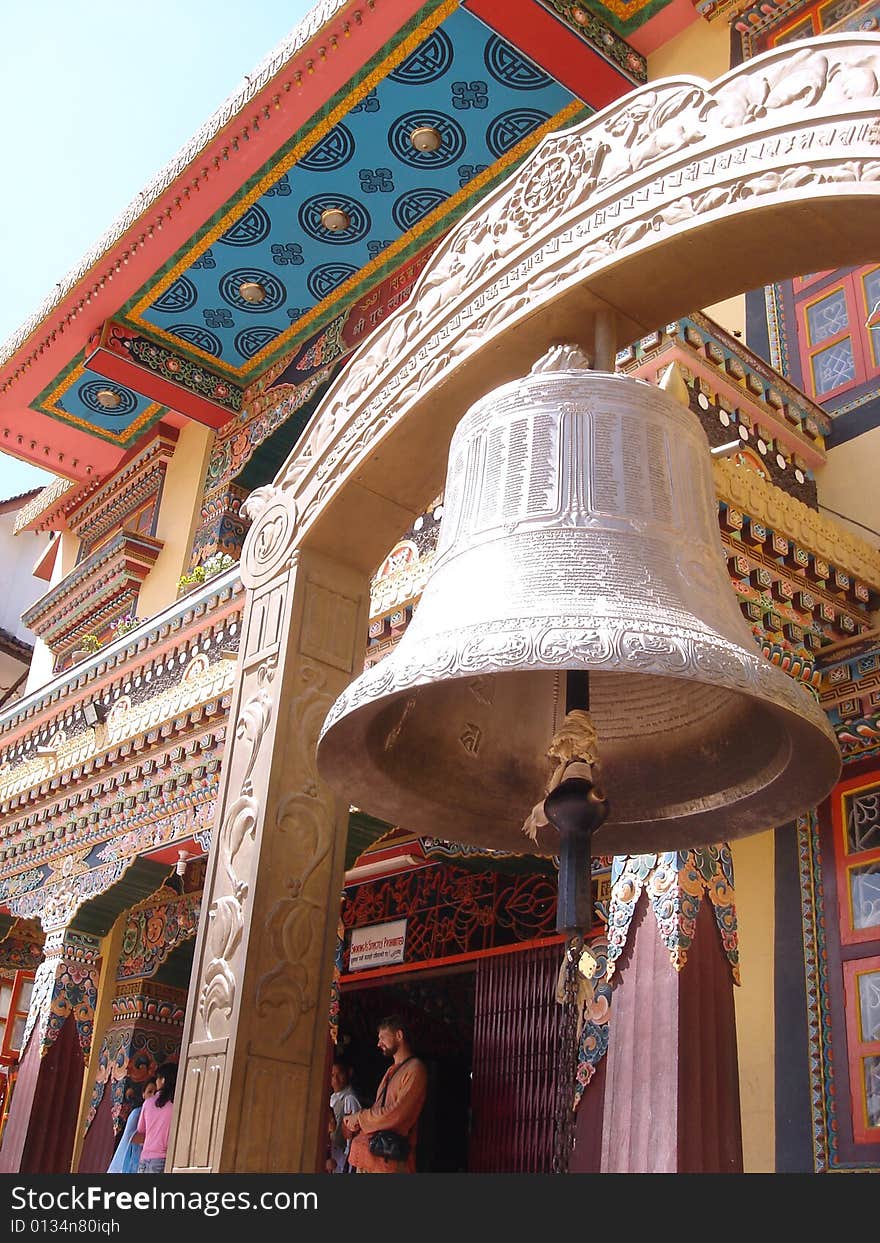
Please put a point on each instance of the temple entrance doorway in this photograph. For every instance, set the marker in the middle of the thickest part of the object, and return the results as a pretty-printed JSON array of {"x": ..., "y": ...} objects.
[
  {"x": 145, "y": 1031},
  {"x": 439, "y": 1004},
  {"x": 488, "y": 1030}
]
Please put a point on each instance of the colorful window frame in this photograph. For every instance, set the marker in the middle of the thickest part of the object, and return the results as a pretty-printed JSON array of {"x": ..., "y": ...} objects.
[
  {"x": 818, "y": 17},
  {"x": 857, "y": 292},
  {"x": 863, "y": 1003},
  {"x": 799, "y": 283},
  {"x": 15, "y": 1019},
  {"x": 851, "y": 864},
  {"x": 871, "y": 293}
]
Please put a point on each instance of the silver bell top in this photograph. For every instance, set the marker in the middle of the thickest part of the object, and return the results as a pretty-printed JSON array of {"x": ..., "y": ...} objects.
[{"x": 579, "y": 532}]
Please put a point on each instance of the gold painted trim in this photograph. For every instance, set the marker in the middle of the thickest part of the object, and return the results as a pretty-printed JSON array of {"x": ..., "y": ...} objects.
[
  {"x": 135, "y": 316},
  {"x": 121, "y": 438},
  {"x": 746, "y": 490}
]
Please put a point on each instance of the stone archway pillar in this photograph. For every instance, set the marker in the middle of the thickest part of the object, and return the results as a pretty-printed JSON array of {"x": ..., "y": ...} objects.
[{"x": 251, "y": 1092}]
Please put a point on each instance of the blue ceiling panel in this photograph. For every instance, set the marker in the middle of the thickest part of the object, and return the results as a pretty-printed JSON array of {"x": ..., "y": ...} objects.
[{"x": 478, "y": 92}]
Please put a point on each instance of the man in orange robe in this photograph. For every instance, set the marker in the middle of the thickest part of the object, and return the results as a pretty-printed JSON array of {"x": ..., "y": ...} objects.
[{"x": 398, "y": 1105}]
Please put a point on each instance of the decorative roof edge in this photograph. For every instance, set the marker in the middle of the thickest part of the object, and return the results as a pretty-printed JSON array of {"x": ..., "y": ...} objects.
[
  {"x": 764, "y": 369},
  {"x": 230, "y": 581},
  {"x": 311, "y": 24},
  {"x": 747, "y": 491},
  {"x": 47, "y": 498}
]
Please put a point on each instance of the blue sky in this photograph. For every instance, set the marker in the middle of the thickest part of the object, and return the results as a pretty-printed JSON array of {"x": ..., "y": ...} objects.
[{"x": 96, "y": 97}]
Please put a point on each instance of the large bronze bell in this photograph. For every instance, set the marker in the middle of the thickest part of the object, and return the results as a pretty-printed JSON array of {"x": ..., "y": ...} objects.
[{"x": 579, "y": 533}]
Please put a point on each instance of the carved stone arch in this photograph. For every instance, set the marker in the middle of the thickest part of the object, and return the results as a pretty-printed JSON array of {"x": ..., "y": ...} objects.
[
  {"x": 676, "y": 196},
  {"x": 680, "y": 194}
]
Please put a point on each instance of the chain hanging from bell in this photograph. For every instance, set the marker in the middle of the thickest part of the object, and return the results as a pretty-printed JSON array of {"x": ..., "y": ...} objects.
[{"x": 579, "y": 534}]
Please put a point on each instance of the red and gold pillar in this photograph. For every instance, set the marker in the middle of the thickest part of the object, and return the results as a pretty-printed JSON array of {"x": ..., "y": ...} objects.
[
  {"x": 672, "y": 1085},
  {"x": 40, "y": 1130}
]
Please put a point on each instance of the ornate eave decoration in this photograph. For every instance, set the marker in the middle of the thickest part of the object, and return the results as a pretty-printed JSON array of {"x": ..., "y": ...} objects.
[
  {"x": 99, "y": 587},
  {"x": 675, "y": 885},
  {"x": 47, "y": 509},
  {"x": 155, "y": 928},
  {"x": 127, "y": 731},
  {"x": 851, "y": 697},
  {"x": 126, "y": 489},
  {"x": 203, "y": 609},
  {"x": 748, "y": 492}
]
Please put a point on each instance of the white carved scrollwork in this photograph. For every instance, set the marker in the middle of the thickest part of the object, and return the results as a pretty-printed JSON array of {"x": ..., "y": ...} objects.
[
  {"x": 226, "y": 913},
  {"x": 270, "y": 539},
  {"x": 295, "y": 922},
  {"x": 653, "y": 163}
]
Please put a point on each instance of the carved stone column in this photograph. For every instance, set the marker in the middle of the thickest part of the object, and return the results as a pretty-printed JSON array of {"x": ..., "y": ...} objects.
[
  {"x": 40, "y": 1129},
  {"x": 251, "y": 1091},
  {"x": 672, "y": 1085}
]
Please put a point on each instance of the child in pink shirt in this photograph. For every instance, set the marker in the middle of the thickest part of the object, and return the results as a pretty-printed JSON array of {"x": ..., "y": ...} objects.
[{"x": 155, "y": 1122}]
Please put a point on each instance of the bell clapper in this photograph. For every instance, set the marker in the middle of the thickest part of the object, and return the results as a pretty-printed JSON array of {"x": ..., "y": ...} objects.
[{"x": 576, "y": 807}]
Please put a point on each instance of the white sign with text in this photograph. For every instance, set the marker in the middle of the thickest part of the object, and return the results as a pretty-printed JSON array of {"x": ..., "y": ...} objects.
[{"x": 377, "y": 945}]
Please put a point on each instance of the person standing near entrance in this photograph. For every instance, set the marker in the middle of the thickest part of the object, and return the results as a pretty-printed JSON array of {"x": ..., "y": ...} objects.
[
  {"x": 155, "y": 1122},
  {"x": 343, "y": 1103},
  {"x": 127, "y": 1155},
  {"x": 398, "y": 1104}
]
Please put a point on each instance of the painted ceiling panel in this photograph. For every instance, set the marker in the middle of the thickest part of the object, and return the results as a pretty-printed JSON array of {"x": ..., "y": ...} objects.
[
  {"x": 479, "y": 93},
  {"x": 76, "y": 398}
]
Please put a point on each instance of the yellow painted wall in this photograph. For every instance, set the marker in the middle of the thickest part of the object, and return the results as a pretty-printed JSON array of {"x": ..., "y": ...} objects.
[
  {"x": 43, "y": 659},
  {"x": 847, "y": 483},
  {"x": 179, "y": 516},
  {"x": 702, "y": 50},
  {"x": 754, "y": 882}
]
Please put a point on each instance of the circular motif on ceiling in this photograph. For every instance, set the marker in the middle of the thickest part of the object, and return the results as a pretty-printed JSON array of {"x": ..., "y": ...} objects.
[
  {"x": 251, "y": 340},
  {"x": 508, "y": 128},
  {"x": 177, "y": 297},
  {"x": 275, "y": 293},
  {"x": 427, "y": 63},
  {"x": 250, "y": 229},
  {"x": 310, "y": 219},
  {"x": 450, "y": 149},
  {"x": 327, "y": 277},
  {"x": 199, "y": 337},
  {"x": 88, "y": 395},
  {"x": 510, "y": 67},
  {"x": 334, "y": 150},
  {"x": 414, "y": 205}
]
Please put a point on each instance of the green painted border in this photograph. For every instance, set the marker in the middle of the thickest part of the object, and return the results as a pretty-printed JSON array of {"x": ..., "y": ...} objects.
[
  {"x": 247, "y": 374},
  {"x": 123, "y": 440}
]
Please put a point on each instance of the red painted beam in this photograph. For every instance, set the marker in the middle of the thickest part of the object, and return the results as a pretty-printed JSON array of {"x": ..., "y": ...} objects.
[
  {"x": 106, "y": 363},
  {"x": 558, "y": 50},
  {"x": 325, "y": 65}
]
